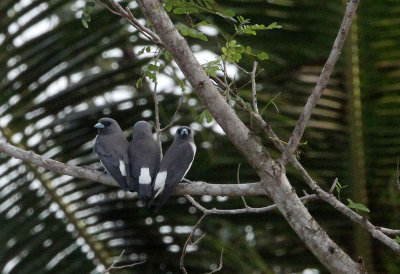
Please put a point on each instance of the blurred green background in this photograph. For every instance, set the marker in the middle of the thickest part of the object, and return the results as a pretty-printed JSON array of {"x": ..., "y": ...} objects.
[{"x": 58, "y": 78}]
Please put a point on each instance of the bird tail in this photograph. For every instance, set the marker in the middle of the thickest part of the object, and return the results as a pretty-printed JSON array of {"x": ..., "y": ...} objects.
[{"x": 145, "y": 194}]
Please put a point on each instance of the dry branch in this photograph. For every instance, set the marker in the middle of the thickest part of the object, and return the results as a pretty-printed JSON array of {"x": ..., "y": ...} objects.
[
  {"x": 244, "y": 210},
  {"x": 193, "y": 188},
  {"x": 322, "y": 82}
]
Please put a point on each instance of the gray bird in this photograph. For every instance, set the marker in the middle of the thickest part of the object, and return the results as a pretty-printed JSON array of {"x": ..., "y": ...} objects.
[
  {"x": 112, "y": 148},
  {"x": 144, "y": 160},
  {"x": 175, "y": 164}
]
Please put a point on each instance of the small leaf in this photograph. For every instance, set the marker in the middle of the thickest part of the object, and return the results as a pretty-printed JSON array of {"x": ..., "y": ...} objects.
[
  {"x": 152, "y": 67},
  {"x": 205, "y": 114},
  {"x": 168, "y": 6},
  {"x": 262, "y": 56},
  {"x": 141, "y": 52},
  {"x": 148, "y": 49},
  {"x": 139, "y": 82},
  {"x": 249, "y": 31},
  {"x": 151, "y": 76},
  {"x": 84, "y": 23},
  {"x": 249, "y": 106},
  {"x": 274, "y": 25},
  {"x": 397, "y": 239},
  {"x": 179, "y": 11},
  {"x": 228, "y": 13},
  {"x": 167, "y": 55},
  {"x": 248, "y": 50},
  {"x": 357, "y": 206}
]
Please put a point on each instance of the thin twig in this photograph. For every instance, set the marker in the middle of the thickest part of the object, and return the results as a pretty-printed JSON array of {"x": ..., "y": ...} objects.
[
  {"x": 109, "y": 9},
  {"x": 238, "y": 181},
  {"x": 157, "y": 117},
  {"x": 113, "y": 267},
  {"x": 388, "y": 231},
  {"x": 253, "y": 86},
  {"x": 333, "y": 185},
  {"x": 173, "y": 116},
  {"x": 189, "y": 242},
  {"x": 220, "y": 263},
  {"x": 241, "y": 210},
  {"x": 127, "y": 14},
  {"x": 322, "y": 82},
  {"x": 218, "y": 81}
]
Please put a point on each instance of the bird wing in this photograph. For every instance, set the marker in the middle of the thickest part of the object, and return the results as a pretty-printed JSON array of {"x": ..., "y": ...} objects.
[
  {"x": 179, "y": 163},
  {"x": 144, "y": 157},
  {"x": 112, "y": 164}
]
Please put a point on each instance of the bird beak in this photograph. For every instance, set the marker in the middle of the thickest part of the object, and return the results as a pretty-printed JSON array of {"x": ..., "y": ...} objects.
[
  {"x": 184, "y": 132},
  {"x": 99, "y": 125}
]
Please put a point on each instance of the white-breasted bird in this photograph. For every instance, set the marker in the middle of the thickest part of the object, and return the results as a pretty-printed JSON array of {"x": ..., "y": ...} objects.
[
  {"x": 144, "y": 160},
  {"x": 174, "y": 166},
  {"x": 111, "y": 147}
]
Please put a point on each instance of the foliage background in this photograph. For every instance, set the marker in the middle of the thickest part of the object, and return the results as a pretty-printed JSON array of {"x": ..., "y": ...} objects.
[{"x": 58, "y": 78}]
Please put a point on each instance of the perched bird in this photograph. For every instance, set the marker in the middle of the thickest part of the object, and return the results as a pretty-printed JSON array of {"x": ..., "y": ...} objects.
[
  {"x": 175, "y": 164},
  {"x": 112, "y": 148},
  {"x": 144, "y": 160}
]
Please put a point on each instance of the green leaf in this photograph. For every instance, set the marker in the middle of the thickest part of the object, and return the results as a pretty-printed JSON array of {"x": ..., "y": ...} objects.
[
  {"x": 167, "y": 55},
  {"x": 397, "y": 239},
  {"x": 274, "y": 25},
  {"x": 84, "y": 23},
  {"x": 249, "y": 31},
  {"x": 228, "y": 13},
  {"x": 152, "y": 67},
  {"x": 168, "y": 5},
  {"x": 141, "y": 52},
  {"x": 249, "y": 106},
  {"x": 151, "y": 76},
  {"x": 179, "y": 11},
  {"x": 357, "y": 206},
  {"x": 205, "y": 114},
  {"x": 262, "y": 56},
  {"x": 139, "y": 82}
]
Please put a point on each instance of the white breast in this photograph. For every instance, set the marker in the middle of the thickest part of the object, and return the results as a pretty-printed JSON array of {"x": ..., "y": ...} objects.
[{"x": 144, "y": 177}]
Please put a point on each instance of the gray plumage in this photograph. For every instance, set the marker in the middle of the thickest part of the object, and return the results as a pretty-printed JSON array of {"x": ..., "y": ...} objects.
[
  {"x": 111, "y": 147},
  {"x": 175, "y": 164},
  {"x": 144, "y": 160}
]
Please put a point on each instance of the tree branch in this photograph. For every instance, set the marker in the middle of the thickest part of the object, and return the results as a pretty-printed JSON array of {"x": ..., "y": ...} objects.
[
  {"x": 244, "y": 210},
  {"x": 221, "y": 263},
  {"x": 189, "y": 242},
  {"x": 374, "y": 231},
  {"x": 113, "y": 267},
  {"x": 157, "y": 118},
  {"x": 322, "y": 81},
  {"x": 127, "y": 14},
  {"x": 253, "y": 87},
  {"x": 388, "y": 231},
  {"x": 195, "y": 188}
]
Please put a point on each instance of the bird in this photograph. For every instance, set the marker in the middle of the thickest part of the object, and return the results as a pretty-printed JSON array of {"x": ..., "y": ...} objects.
[
  {"x": 111, "y": 147},
  {"x": 144, "y": 160},
  {"x": 174, "y": 166}
]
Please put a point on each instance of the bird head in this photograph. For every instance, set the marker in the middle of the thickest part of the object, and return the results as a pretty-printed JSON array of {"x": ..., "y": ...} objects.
[
  {"x": 184, "y": 133},
  {"x": 142, "y": 128},
  {"x": 106, "y": 125}
]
